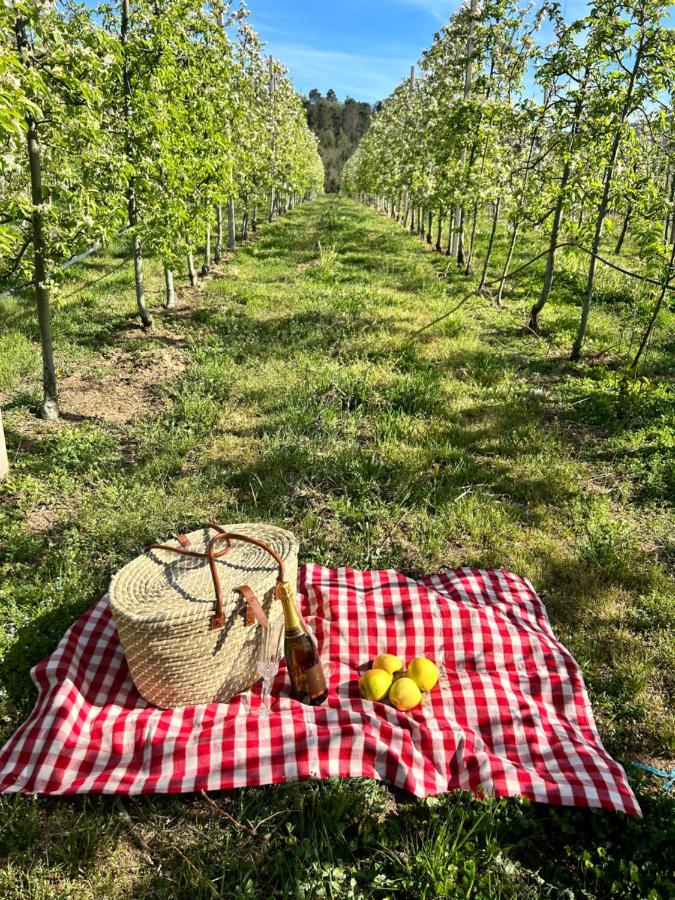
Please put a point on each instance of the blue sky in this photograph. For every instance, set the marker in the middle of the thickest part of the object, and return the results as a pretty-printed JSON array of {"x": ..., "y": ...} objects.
[{"x": 361, "y": 48}]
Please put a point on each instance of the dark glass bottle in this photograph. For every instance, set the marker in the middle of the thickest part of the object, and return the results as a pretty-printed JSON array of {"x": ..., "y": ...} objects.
[{"x": 308, "y": 680}]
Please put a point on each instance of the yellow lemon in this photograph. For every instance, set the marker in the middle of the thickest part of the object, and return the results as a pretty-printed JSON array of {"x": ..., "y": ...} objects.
[
  {"x": 423, "y": 672},
  {"x": 404, "y": 694},
  {"x": 389, "y": 663},
  {"x": 374, "y": 684}
]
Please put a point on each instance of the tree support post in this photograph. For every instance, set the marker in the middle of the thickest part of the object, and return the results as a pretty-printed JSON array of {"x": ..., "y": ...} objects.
[
  {"x": 218, "y": 255},
  {"x": 4, "y": 461},
  {"x": 231, "y": 226},
  {"x": 206, "y": 268}
]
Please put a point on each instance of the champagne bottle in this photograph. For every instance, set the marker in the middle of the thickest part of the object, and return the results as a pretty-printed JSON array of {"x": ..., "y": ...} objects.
[{"x": 302, "y": 657}]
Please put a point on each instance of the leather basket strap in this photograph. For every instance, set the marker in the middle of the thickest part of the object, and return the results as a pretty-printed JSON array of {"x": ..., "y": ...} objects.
[{"x": 255, "y": 611}]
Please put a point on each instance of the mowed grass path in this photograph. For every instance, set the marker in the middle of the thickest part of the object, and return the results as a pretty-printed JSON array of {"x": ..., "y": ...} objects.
[{"x": 291, "y": 388}]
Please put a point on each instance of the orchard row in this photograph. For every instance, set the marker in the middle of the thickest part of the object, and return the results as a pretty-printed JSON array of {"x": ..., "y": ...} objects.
[
  {"x": 159, "y": 118},
  {"x": 573, "y": 141}
]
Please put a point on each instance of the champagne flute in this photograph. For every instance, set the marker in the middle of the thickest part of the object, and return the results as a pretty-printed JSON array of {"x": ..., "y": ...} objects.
[{"x": 268, "y": 665}]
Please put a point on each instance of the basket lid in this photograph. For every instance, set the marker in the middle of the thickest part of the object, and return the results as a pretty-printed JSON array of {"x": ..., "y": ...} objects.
[{"x": 161, "y": 586}]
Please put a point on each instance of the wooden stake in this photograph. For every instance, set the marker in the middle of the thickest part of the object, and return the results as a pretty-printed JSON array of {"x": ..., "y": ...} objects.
[{"x": 4, "y": 461}]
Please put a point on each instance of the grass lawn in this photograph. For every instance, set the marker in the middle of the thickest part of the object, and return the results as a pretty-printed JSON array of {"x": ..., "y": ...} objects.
[{"x": 290, "y": 387}]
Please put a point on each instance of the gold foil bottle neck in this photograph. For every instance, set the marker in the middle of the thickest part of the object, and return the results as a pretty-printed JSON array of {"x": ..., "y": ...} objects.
[{"x": 286, "y": 595}]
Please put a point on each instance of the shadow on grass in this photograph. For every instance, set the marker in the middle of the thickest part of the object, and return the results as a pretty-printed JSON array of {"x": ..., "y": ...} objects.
[
  {"x": 481, "y": 451},
  {"x": 388, "y": 470},
  {"x": 378, "y": 454}
]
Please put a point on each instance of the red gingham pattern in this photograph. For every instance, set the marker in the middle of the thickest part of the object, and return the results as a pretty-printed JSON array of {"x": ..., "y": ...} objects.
[{"x": 509, "y": 717}]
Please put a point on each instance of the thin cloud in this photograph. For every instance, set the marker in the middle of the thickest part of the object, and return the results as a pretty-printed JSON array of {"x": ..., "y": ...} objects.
[{"x": 361, "y": 76}]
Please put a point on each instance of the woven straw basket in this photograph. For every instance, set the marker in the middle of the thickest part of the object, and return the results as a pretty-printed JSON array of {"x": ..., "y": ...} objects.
[{"x": 190, "y": 614}]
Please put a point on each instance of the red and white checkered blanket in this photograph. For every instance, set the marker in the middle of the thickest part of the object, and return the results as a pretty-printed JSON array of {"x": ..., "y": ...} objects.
[{"x": 510, "y": 715}]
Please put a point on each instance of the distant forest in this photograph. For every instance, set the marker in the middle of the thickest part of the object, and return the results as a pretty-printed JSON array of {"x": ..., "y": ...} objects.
[{"x": 339, "y": 128}]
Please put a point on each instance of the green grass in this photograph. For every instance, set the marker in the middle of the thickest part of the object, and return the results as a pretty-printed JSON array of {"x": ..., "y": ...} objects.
[{"x": 303, "y": 398}]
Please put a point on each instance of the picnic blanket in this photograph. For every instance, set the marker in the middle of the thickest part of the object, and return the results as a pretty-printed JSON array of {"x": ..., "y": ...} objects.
[{"x": 510, "y": 715}]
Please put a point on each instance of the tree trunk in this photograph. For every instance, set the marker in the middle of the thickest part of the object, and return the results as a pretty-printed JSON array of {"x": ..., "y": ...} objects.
[
  {"x": 170, "y": 298},
  {"x": 50, "y": 400},
  {"x": 254, "y": 220},
  {"x": 219, "y": 234},
  {"x": 244, "y": 226},
  {"x": 516, "y": 225},
  {"x": 604, "y": 202},
  {"x": 206, "y": 268},
  {"x": 472, "y": 239},
  {"x": 461, "y": 258},
  {"x": 430, "y": 225},
  {"x": 669, "y": 226},
  {"x": 272, "y": 90},
  {"x": 4, "y": 461},
  {"x": 231, "y": 226},
  {"x": 458, "y": 216},
  {"x": 533, "y": 324},
  {"x": 550, "y": 258},
  {"x": 455, "y": 224},
  {"x": 624, "y": 229},
  {"x": 509, "y": 257},
  {"x": 139, "y": 283},
  {"x": 50, "y": 406},
  {"x": 491, "y": 243},
  {"x": 657, "y": 309},
  {"x": 192, "y": 272},
  {"x": 439, "y": 231},
  {"x": 132, "y": 210}
]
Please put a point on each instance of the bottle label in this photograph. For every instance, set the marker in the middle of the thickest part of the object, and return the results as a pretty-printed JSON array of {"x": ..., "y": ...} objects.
[{"x": 316, "y": 681}]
